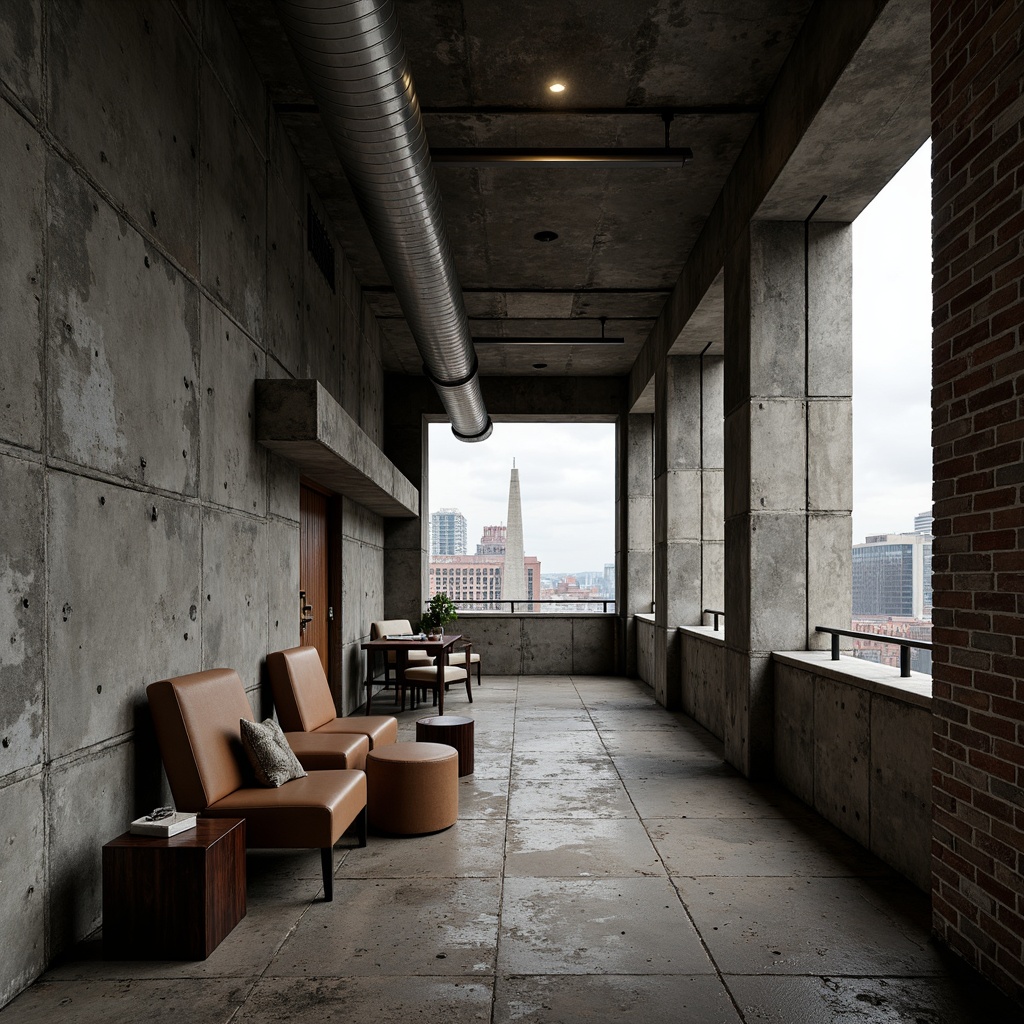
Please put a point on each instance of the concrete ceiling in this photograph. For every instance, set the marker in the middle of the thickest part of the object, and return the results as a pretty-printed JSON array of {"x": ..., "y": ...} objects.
[{"x": 481, "y": 71}]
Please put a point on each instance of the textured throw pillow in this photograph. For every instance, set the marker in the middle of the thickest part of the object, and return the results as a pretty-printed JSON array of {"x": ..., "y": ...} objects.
[{"x": 273, "y": 761}]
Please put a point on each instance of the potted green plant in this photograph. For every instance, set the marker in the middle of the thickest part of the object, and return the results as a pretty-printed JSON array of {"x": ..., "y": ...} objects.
[{"x": 440, "y": 611}]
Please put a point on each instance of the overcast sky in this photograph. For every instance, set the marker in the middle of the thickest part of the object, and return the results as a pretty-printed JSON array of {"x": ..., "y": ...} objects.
[
  {"x": 567, "y": 471},
  {"x": 892, "y": 311}
]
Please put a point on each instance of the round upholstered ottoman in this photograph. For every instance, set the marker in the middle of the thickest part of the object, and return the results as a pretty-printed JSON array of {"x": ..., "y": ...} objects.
[{"x": 412, "y": 788}]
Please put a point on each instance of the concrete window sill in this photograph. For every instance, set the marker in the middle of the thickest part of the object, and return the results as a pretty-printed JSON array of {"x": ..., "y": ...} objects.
[{"x": 865, "y": 675}]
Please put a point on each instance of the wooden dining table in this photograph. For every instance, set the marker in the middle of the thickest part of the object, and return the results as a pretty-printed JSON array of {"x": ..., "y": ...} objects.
[{"x": 438, "y": 649}]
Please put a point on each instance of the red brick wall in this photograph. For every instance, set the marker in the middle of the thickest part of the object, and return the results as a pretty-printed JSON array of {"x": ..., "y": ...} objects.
[{"x": 978, "y": 419}]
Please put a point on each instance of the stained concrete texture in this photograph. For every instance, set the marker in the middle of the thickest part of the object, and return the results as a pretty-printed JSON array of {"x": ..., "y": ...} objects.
[
  {"x": 234, "y": 469},
  {"x": 21, "y": 279},
  {"x": 123, "y": 345},
  {"x": 22, "y": 601},
  {"x": 621, "y": 871},
  {"x": 139, "y": 567},
  {"x": 144, "y": 151},
  {"x": 233, "y": 225},
  {"x": 22, "y": 890}
]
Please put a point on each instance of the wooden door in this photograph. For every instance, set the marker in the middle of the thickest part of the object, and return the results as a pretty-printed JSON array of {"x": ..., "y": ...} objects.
[{"x": 313, "y": 628}]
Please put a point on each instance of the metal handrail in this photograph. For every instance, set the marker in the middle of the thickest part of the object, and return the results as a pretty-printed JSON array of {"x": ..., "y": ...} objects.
[
  {"x": 717, "y": 614},
  {"x": 512, "y": 604},
  {"x": 882, "y": 638}
]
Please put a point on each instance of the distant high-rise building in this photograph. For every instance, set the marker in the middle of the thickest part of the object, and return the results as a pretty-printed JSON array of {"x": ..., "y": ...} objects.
[
  {"x": 514, "y": 584},
  {"x": 447, "y": 532},
  {"x": 492, "y": 542},
  {"x": 923, "y": 525},
  {"x": 889, "y": 575},
  {"x": 476, "y": 582}
]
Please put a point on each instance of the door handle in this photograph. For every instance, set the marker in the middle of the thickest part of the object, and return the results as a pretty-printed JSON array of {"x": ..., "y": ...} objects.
[{"x": 304, "y": 610}]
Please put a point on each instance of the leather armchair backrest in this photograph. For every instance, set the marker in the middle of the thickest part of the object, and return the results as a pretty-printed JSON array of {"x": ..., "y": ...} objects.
[
  {"x": 302, "y": 694},
  {"x": 196, "y": 720}
]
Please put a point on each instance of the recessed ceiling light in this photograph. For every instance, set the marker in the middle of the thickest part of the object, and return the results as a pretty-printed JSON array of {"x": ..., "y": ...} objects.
[
  {"x": 545, "y": 236},
  {"x": 540, "y": 366},
  {"x": 556, "y": 87}
]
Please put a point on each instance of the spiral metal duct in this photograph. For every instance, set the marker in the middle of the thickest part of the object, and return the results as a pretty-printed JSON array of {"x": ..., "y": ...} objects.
[{"x": 354, "y": 61}]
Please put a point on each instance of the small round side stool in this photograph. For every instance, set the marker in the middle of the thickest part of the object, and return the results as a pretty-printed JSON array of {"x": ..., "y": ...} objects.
[
  {"x": 412, "y": 788},
  {"x": 454, "y": 730}
]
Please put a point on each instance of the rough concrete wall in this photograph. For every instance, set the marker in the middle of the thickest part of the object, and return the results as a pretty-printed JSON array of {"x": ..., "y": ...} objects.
[
  {"x": 152, "y": 266},
  {"x": 978, "y": 565},
  {"x": 860, "y": 758},
  {"x": 362, "y": 597}
]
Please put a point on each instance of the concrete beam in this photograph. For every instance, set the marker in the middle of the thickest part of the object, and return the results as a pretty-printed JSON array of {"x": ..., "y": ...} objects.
[
  {"x": 301, "y": 421},
  {"x": 821, "y": 133}
]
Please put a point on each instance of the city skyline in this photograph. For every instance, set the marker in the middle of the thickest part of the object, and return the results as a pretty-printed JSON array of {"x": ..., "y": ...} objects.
[{"x": 568, "y": 502}]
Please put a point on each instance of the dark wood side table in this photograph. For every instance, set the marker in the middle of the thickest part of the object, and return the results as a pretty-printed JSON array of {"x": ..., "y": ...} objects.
[
  {"x": 176, "y": 898},
  {"x": 454, "y": 730}
]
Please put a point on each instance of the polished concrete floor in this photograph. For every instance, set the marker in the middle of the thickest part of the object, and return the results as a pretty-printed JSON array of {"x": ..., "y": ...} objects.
[{"x": 607, "y": 865}]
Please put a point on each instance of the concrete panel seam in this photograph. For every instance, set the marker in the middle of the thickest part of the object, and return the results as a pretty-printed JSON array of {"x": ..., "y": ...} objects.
[
  {"x": 53, "y": 143},
  {"x": 23, "y": 453},
  {"x": 22, "y": 774},
  {"x": 89, "y": 753},
  {"x": 19, "y": 108},
  {"x": 263, "y": 146},
  {"x": 124, "y": 483}
]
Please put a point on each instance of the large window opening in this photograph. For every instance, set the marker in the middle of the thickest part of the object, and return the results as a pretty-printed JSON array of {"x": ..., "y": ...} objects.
[
  {"x": 524, "y": 521},
  {"x": 892, "y": 466}
]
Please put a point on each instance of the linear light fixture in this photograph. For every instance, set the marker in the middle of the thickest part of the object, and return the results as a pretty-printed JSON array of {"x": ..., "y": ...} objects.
[{"x": 621, "y": 157}]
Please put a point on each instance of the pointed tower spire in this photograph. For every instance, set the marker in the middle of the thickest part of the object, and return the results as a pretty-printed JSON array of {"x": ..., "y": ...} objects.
[{"x": 513, "y": 586}]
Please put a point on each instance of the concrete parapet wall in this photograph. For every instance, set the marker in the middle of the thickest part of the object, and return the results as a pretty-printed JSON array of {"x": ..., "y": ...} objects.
[
  {"x": 543, "y": 644},
  {"x": 703, "y": 682},
  {"x": 644, "y": 627},
  {"x": 854, "y": 741}
]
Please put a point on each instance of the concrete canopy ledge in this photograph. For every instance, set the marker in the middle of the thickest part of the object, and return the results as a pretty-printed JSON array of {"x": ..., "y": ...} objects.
[{"x": 300, "y": 420}]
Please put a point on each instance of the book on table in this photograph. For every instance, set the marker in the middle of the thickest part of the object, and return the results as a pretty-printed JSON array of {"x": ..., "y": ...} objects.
[{"x": 165, "y": 827}]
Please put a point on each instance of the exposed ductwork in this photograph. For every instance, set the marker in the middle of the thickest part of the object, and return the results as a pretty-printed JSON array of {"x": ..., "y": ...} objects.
[{"x": 354, "y": 61}]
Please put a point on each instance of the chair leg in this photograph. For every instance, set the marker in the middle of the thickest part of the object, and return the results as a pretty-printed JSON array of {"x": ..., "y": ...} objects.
[
  {"x": 478, "y": 664},
  {"x": 327, "y": 866},
  {"x": 361, "y": 827},
  {"x": 469, "y": 683}
]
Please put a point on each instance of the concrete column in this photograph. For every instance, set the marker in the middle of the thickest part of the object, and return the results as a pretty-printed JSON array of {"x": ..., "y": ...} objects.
[
  {"x": 407, "y": 541},
  {"x": 788, "y": 444},
  {"x": 635, "y": 561},
  {"x": 677, "y": 518},
  {"x": 712, "y": 469}
]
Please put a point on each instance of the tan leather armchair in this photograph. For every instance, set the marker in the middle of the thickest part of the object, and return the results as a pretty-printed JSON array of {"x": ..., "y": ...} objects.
[
  {"x": 304, "y": 703},
  {"x": 196, "y": 719}
]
